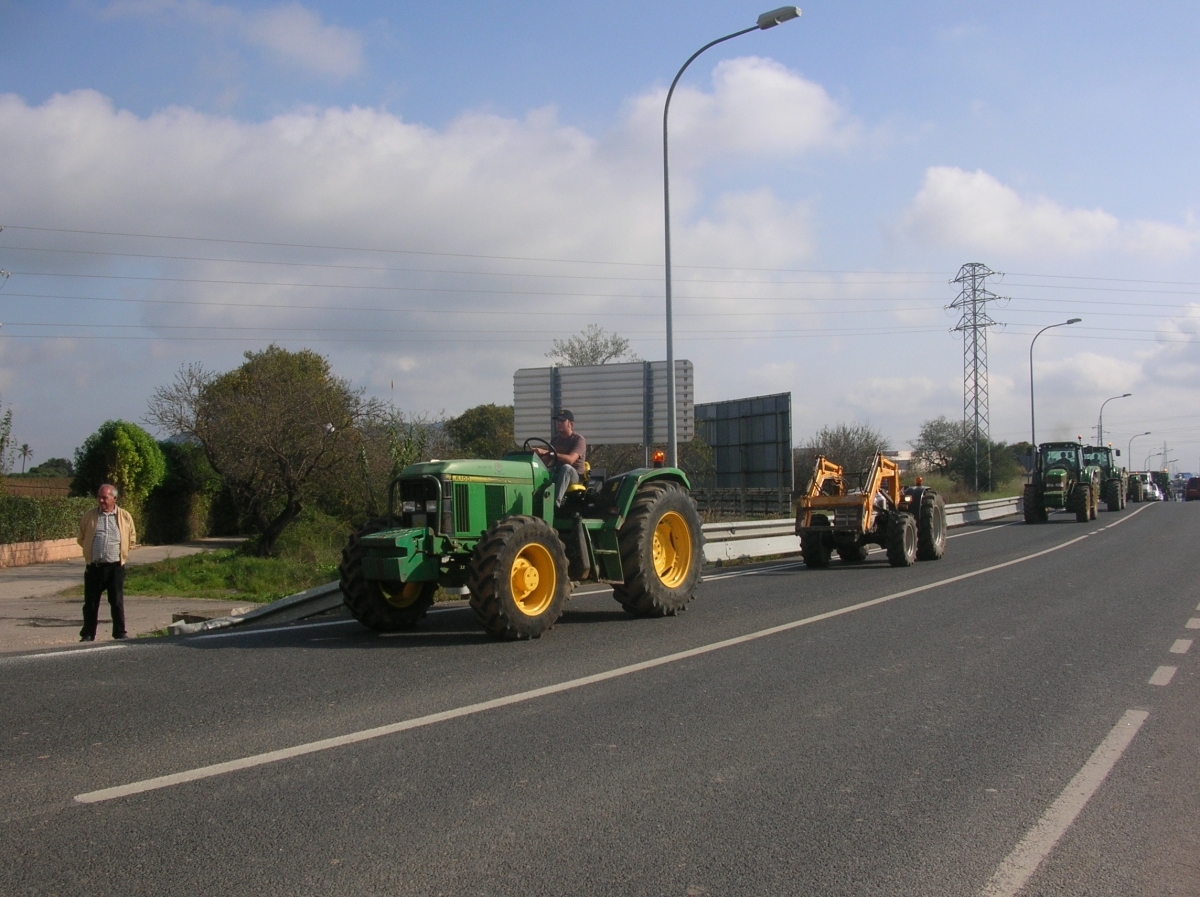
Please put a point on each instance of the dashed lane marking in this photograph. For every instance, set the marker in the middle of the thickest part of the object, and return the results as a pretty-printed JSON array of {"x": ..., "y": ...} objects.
[
  {"x": 1181, "y": 646},
  {"x": 1193, "y": 623},
  {"x": 1163, "y": 676},
  {"x": 1019, "y": 866},
  {"x": 312, "y": 747}
]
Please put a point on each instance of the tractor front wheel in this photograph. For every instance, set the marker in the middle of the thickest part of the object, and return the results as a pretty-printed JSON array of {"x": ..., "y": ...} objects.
[
  {"x": 901, "y": 539},
  {"x": 1082, "y": 503},
  {"x": 518, "y": 578},
  {"x": 662, "y": 551},
  {"x": 1032, "y": 507},
  {"x": 382, "y": 606},
  {"x": 931, "y": 528}
]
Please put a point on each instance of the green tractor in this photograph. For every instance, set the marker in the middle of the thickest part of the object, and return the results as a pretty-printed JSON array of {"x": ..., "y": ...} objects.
[
  {"x": 493, "y": 527},
  {"x": 1062, "y": 480},
  {"x": 1114, "y": 480}
]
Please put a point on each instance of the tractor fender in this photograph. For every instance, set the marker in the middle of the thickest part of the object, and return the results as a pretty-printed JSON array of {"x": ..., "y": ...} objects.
[{"x": 619, "y": 491}]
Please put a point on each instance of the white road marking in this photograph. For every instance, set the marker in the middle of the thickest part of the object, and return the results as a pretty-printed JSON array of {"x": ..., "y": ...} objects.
[
  {"x": 1162, "y": 676},
  {"x": 1193, "y": 623},
  {"x": 976, "y": 532},
  {"x": 1018, "y": 867},
  {"x": 1198, "y": 607},
  {"x": 72, "y": 652},
  {"x": 299, "y": 627},
  {"x": 1181, "y": 646},
  {"x": 216, "y": 769}
]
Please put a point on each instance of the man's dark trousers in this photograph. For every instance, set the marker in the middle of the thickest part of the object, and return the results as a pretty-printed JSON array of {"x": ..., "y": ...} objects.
[{"x": 96, "y": 579}]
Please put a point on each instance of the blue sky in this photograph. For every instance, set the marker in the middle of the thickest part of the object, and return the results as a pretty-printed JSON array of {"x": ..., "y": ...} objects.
[{"x": 1052, "y": 141}]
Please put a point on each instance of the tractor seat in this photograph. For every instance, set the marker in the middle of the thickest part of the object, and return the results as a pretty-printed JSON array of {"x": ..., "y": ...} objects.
[{"x": 591, "y": 481}]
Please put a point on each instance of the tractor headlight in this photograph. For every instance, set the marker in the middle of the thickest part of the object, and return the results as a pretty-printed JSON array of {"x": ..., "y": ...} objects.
[
  {"x": 408, "y": 507},
  {"x": 431, "y": 506}
]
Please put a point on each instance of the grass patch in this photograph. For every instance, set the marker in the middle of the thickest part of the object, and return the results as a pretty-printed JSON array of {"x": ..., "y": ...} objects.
[
  {"x": 955, "y": 493},
  {"x": 227, "y": 574},
  {"x": 309, "y": 552}
]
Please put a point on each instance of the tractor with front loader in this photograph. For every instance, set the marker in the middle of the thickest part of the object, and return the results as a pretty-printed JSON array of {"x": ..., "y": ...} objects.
[
  {"x": 1062, "y": 480},
  {"x": 493, "y": 527},
  {"x": 1114, "y": 479},
  {"x": 834, "y": 515}
]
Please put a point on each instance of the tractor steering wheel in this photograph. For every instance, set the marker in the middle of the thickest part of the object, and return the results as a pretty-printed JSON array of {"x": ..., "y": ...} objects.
[{"x": 536, "y": 439}]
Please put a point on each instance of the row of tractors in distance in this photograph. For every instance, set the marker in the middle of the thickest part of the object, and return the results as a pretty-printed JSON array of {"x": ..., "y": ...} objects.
[
  {"x": 1075, "y": 477},
  {"x": 493, "y": 527},
  {"x": 834, "y": 514}
]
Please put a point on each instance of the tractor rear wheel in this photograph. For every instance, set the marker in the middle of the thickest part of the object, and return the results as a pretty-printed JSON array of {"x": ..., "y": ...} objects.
[
  {"x": 901, "y": 539},
  {"x": 1094, "y": 512},
  {"x": 852, "y": 554},
  {"x": 382, "y": 606},
  {"x": 931, "y": 528},
  {"x": 662, "y": 551},
  {"x": 518, "y": 578}
]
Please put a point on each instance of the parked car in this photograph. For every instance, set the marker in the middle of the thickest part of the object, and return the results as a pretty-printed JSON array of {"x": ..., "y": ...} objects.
[{"x": 1191, "y": 492}]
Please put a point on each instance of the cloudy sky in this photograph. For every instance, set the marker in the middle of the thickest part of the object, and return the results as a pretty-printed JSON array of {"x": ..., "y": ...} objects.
[{"x": 430, "y": 194}]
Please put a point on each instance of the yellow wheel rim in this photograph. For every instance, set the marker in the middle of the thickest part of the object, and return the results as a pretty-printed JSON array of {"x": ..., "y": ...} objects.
[
  {"x": 672, "y": 549},
  {"x": 533, "y": 579},
  {"x": 404, "y": 596}
]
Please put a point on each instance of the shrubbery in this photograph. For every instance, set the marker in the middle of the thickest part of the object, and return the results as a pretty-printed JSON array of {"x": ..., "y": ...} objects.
[{"x": 24, "y": 519}]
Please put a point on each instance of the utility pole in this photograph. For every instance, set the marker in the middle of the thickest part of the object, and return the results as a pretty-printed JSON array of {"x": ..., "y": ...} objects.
[{"x": 974, "y": 322}]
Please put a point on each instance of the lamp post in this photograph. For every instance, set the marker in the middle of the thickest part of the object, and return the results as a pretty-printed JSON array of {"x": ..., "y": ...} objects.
[
  {"x": 1100, "y": 423},
  {"x": 1129, "y": 448},
  {"x": 765, "y": 21},
  {"x": 1032, "y": 424}
]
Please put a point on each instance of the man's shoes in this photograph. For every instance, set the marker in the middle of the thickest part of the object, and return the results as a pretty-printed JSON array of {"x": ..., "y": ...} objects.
[
  {"x": 122, "y": 635},
  {"x": 87, "y": 638}
]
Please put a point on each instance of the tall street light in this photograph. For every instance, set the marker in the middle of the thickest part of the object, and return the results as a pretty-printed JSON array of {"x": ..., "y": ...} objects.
[
  {"x": 1129, "y": 448},
  {"x": 1100, "y": 423},
  {"x": 1032, "y": 424},
  {"x": 765, "y": 21}
]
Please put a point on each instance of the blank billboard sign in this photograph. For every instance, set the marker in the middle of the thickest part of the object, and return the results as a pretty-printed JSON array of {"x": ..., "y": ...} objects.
[
  {"x": 613, "y": 404},
  {"x": 751, "y": 441}
]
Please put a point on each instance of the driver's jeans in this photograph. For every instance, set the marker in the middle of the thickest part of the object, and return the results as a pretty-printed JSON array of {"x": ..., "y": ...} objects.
[{"x": 564, "y": 475}]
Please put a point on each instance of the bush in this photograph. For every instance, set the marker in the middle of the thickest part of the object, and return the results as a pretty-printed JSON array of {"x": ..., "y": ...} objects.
[
  {"x": 180, "y": 508},
  {"x": 24, "y": 519},
  {"x": 122, "y": 454}
]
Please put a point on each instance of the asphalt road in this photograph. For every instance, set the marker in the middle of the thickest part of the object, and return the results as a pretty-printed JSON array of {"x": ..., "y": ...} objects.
[{"x": 985, "y": 724}]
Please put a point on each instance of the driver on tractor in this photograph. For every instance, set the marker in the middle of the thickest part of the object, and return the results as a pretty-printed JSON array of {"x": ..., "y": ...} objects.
[{"x": 566, "y": 461}]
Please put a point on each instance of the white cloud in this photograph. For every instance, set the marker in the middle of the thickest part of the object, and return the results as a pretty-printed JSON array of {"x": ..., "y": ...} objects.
[
  {"x": 975, "y": 211},
  {"x": 756, "y": 107},
  {"x": 290, "y": 32}
]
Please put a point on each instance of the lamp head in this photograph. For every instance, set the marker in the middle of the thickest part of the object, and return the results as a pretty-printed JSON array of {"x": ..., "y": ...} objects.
[
  {"x": 1126, "y": 395},
  {"x": 1074, "y": 320},
  {"x": 778, "y": 17}
]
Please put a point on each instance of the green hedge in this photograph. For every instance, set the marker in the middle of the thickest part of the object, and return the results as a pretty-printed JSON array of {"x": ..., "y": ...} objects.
[{"x": 24, "y": 519}]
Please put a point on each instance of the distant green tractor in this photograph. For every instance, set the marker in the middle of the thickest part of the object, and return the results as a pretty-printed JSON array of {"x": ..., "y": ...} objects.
[
  {"x": 1114, "y": 480},
  {"x": 1062, "y": 480},
  {"x": 492, "y": 526}
]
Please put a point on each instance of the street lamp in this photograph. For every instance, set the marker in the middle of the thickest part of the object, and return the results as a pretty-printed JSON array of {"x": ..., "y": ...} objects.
[
  {"x": 765, "y": 21},
  {"x": 1100, "y": 423},
  {"x": 1032, "y": 425},
  {"x": 1129, "y": 448}
]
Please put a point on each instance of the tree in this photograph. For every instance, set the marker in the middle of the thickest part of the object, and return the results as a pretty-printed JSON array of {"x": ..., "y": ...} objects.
[
  {"x": 391, "y": 442},
  {"x": 948, "y": 447},
  {"x": 485, "y": 431},
  {"x": 122, "y": 454},
  {"x": 6, "y": 446},
  {"x": 54, "y": 467},
  {"x": 26, "y": 453},
  {"x": 853, "y": 446},
  {"x": 279, "y": 430},
  {"x": 592, "y": 345},
  {"x": 939, "y": 444}
]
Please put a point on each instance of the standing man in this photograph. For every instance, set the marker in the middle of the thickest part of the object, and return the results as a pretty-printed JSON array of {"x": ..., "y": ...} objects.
[
  {"x": 570, "y": 451},
  {"x": 105, "y": 534}
]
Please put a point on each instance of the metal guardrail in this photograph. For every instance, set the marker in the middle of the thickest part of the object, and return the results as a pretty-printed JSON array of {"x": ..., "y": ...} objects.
[{"x": 723, "y": 542}]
